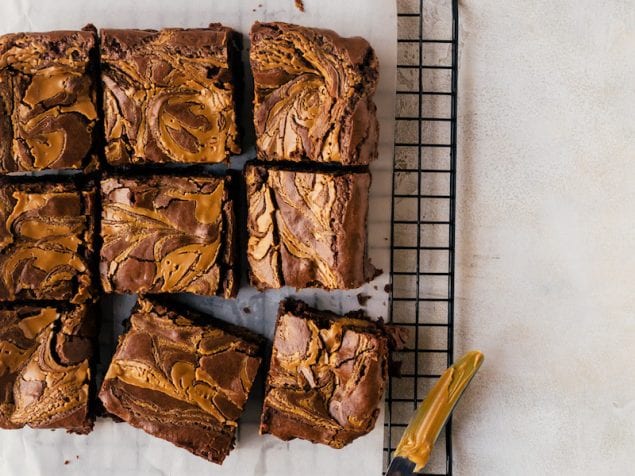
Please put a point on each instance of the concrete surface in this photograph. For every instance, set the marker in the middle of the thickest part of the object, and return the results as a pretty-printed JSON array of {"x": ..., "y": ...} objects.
[{"x": 546, "y": 240}]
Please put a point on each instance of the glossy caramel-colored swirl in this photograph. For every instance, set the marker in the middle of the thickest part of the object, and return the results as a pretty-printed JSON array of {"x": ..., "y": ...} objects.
[
  {"x": 307, "y": 228},
  {"x": 313, "y": 95},
  {"x": 168, "y": 95},
  {"x": 46, "y": 242},
  {"x": 167, "y": 235},
  {"x": 327, "y": 376},
  {"x": 43, "y": 383},
  {"x": 181, "y": 381},
  {"x": 48, "y": 99}
]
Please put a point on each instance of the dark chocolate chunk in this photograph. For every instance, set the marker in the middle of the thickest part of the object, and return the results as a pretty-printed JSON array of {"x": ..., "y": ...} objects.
[
  {"x": 47, "y": 100},
  {"x": 307, "y": 229},
  {"x": 168, "y": 234},
  {"x": 46, "y": 242},
  {"x": 44, "y": 367},
  {"x": 182, "y": 380},
  {"x": 169, "y": 95},
  {"x": 313, "y": 95},
  {"x": 327, "y": 375}
]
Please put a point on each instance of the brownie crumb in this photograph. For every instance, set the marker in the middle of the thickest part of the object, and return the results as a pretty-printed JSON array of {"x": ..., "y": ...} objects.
[
  {"x": 362, "y": 299},
  {"x": 246, "y": 310},
  {"x": 388, "y": 288},
  {"x": 66, "y": 461},
  {"x": 299, "y": 4}
]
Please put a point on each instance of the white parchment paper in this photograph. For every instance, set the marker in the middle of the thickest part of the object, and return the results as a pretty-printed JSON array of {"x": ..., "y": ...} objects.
[{"x": 117, "y": 448}]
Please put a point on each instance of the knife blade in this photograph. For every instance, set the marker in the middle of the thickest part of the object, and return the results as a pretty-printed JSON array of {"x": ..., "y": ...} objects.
[{"x": 415, "y": 447}]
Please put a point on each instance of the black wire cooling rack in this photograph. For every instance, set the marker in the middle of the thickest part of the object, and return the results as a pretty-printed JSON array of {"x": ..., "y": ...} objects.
[{"x": 423, "y": 212}]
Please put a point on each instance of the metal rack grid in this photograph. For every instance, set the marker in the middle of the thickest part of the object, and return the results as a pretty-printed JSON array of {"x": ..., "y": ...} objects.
[{"x": 423, "y": 212}]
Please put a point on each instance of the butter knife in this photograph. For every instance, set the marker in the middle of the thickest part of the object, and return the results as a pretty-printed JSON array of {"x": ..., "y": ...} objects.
[{"x": 415, "y": 447}]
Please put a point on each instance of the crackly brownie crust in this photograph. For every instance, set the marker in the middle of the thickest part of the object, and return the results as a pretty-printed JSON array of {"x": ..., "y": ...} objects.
[
  {"x": 180, "y": 379},
  {"x": 313, "y": 95},
  {"x": 168, "y": 234},
  {"x": 44, "y": 366},
  {"x": 46, "y": 241},
  {"x": 307, "y": 229},
  {"x": 169, "y": 95},
  {"x": 47, "y": 100},
  {"x": 327, "y": 375}
]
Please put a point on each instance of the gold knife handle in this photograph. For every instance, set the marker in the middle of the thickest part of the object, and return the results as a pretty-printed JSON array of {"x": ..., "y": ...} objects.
[{"x": 424, "y": 428}]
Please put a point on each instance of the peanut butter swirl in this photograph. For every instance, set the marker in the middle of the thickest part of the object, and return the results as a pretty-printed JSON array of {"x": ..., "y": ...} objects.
[
  {"x": 313, "y": 95},
  {"x": 169, "y": 96},
  {"x": 47, "y": 100},
  {"x": 46, "y": 242},
  {"x": 307, "y": 228},
  {"x": 167, "y": 234},
  {"x": 326, "y": 378},
  {"x": 44, "y": 368},
  {"x": 180, "y": 380}
]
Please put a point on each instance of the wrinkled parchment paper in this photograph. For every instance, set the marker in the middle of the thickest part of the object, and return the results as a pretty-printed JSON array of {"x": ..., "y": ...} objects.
[{"x": 117, "y": 448}]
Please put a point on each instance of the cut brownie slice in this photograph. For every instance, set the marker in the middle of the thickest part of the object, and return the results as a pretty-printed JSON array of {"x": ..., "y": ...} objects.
[
  {"x": 168, "y": 234},
  {"x": 44, "y": 367},
  {"x": 313, "y": 95},
  {"x": 307, "y": 229},
  {"x": 46, "y": 241},
  {"x": 182, "y": 377},
  {"x": 47, "y": 100},
  {"x": 327, "y": 375},
  {"x": 169, "y": 95}
]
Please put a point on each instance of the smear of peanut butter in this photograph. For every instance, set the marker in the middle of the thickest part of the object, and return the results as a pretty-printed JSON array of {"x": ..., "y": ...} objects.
[{"x": 418, "y": 440}]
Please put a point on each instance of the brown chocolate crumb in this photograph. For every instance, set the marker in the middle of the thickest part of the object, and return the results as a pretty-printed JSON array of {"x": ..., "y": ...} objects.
[
  {"x": 388, "y": 288},
  {"x": 246, "y": 310},
  {"x": 76, "y": 456},
  {"x": 299, "y": 4},
  {"x": 362, "y": 299},
  {"x": 66, "y": 461}
]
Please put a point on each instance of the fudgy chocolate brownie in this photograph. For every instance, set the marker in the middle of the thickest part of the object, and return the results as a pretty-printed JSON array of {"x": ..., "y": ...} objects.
[
  {"x": 307, "y": 229},
  {"x": 46, "y": 241},
  {"x": 313, "y": 95},
  {"x": 327, "y": 375},
  {"x": 182, "y": 377},
  {"x": 44, "y": 366},
  {"x": 169, "y": 95},
  {"x": 168, "y": 234},
  {"x": 47, "y": 100}
]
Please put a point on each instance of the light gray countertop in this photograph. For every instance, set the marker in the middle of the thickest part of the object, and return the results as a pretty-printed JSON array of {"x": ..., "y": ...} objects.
[{"x": 546, "y": 237}]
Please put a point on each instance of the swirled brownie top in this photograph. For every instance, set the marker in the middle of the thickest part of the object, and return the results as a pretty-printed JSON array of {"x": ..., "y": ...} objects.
[
  {"x": 313, "y": 95},
  {"x": 46, "y": 242},
  {"x": 327, "y": 375},
  {"x": 45, "y": 367},
  {"x": 182, "y": 379},
  {"x": 47, "y": 100},
  {"x": 169, "y": 95},
  {"x": 168, "y": 234},
  {"x": 307, "y": 229}
]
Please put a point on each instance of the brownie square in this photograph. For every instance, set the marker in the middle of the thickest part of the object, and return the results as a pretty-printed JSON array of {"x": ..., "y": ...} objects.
[
  {"x": 307, "y": 229},
  {"x": 47, "y": 100},
  {"x": 182, "y": 377},
  {"x": 168, "y": 234},
  {"x": 169, "y": 95},
  {"x": 46, "y": 241},
  {"x": 327, "y": 375},
  {"x": 313, "y": 95},
  {"x": 45, "y": 367}
]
